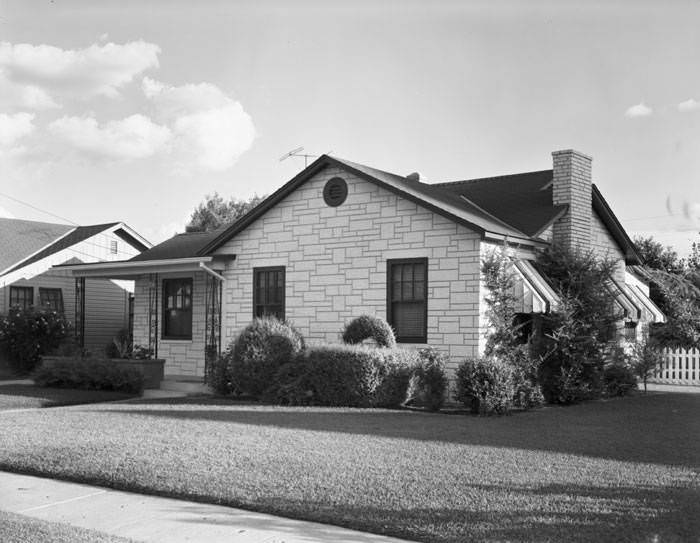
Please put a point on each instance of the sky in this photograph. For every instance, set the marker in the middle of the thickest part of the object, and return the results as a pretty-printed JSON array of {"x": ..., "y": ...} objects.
[{"x": 134, "y": 111}]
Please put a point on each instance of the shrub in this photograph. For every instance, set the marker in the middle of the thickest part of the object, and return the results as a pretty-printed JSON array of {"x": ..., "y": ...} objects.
[
  {"x": 428, "y": 383},
  {"x": 121, "y": 345},
  {"x": 369, "y": 327},
  {"x": 527, "y": 391},
  {"x": 619, "y": 380},
  {"x": 485, "y": 385},
  {"x": 89, "y": 374},
  {"x": 26, "y": 334},
  {"x": 646, "y": 357},
  {"x": 345, "y": 375},
  {"x": 255, "y": 356}
]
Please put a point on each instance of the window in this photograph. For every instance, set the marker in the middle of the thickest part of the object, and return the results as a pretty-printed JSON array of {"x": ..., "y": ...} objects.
[
  {"x": 630, "y": 333},
  {"x": 407, "y": 299},
  {"x": 177, "y": 308},
  {"x": 268, "y": 292},
  {"x": 113, "y": 247},
  {"x": 51, "y": 298},
  {"x": 22, "y": 297}
]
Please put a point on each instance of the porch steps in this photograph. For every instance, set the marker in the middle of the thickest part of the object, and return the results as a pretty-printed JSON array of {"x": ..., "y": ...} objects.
[{"x": 185, "y": 383}]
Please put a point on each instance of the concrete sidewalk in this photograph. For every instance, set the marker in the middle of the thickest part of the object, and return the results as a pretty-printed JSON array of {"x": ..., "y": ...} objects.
[{"x": 149, "y": 518}]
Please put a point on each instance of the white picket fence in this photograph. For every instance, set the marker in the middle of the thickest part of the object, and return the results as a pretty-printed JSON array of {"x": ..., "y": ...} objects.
[{"x": 680, "y": 366}]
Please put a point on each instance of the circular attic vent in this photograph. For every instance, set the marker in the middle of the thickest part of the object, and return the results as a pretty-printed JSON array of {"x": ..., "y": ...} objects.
[{"x": 335, "y": 192}]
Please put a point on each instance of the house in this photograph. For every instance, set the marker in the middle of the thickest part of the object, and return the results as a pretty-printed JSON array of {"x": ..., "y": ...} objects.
[
  {"x": 30, "y": 249},
  {"x": 342, "y": 239}
]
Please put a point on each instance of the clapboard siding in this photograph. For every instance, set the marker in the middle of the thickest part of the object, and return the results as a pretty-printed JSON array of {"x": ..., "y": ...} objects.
[{"x": 106, "y": 304}]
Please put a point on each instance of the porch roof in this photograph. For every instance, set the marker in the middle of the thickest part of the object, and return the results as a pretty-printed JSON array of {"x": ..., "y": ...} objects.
[{"x": 129, "y": 269}]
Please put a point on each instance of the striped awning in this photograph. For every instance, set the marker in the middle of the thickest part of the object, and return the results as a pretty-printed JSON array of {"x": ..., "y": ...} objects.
[
  {"x": 635, "y": 303},
  {"x": 534, "y": 292}
]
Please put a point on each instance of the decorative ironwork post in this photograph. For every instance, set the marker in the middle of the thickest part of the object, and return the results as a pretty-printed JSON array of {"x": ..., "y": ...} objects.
[
  {"x": 80, "y": 311},
  {"x": 153, "y": 311},
  {"x": 212, "y": 338}
]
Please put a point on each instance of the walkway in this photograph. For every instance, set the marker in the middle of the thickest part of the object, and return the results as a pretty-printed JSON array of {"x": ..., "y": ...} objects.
[{"x": 150, "y": 518}]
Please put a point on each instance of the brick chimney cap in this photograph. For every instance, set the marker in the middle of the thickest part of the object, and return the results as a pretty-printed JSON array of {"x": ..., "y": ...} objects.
[{"x": 572, "y": 152}]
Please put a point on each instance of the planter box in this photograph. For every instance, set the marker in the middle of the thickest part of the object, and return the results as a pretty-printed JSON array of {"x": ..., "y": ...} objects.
[{"x": 152, "y": 370}]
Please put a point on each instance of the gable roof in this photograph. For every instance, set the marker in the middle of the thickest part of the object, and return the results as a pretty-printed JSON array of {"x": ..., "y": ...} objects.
[
  {"x": 517, "y": 207},
  {"x": 20, "y": 239},
  {"x": 25, "y": 242}
]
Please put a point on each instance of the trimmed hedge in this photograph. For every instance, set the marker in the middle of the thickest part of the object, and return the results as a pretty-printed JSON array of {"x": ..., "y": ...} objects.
[
  {"x": 369, "y": 327},
  {"x": 89, "y": 374},
  {"x": 345, "y": 375},
  {"x": 485, "y": 385},
  {"x": 249, "y": 365}
]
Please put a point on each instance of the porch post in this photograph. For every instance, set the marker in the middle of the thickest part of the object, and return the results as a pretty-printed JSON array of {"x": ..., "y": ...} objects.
[
  {"x": 80, "y": 311},
  {"x": 153, "y": 311},
  {"x": 212, "y": 339}
]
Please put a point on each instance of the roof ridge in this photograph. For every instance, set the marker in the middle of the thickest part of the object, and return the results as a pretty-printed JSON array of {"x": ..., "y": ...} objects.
[{"x": 492, "y": 178}]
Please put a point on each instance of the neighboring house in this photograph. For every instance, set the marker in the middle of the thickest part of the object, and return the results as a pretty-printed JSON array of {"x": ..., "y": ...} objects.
[
  {"x": 342, "y": 239},
  {"x": 28, "y": 252}
]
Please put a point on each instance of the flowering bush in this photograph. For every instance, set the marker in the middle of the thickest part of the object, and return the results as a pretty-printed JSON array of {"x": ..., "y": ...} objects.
[{"x": 26, "y": 334}]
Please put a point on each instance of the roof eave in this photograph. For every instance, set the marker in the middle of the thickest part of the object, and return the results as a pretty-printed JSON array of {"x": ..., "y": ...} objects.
[{"x": 616, "y": 229}]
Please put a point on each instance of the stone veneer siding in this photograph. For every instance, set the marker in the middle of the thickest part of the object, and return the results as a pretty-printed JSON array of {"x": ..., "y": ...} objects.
[
  {"x": 182, "y": 357},
  {"x": 571, "y": 185},
  {"x": 335, "y": 260}
]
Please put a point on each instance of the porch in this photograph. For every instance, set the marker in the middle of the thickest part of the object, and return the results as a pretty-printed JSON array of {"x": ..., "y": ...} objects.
[{"x": 176, "y": 310}]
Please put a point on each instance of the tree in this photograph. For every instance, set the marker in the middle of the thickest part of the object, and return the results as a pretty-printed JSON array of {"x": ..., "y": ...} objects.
[
  {"x": 646, "y": 357},
  {"x": 656, "y": 256},
  {"x": 215, "y": 212}
]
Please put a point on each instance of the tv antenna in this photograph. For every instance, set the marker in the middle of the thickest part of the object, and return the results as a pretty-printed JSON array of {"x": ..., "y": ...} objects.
[{"x": 298, "y": 153}]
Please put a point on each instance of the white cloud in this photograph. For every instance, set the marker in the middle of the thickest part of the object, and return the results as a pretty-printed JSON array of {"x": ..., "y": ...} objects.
[
  {"x": 688, "y": 105},
  {"x": 211, "y": 129},
  {"x": 95, "y": 70},
  {"x": 639, "y": 110},
  {"x": 130, "y": 138},
  {"x": 15, "y": 127},
  {"x": 15, "y": 95}
]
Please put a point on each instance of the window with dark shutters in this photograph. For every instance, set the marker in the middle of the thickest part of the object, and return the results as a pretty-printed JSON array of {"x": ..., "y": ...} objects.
[{"x": 407, "y": 299}]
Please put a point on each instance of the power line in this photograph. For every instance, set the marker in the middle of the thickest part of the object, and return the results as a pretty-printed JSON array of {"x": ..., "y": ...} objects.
[{"x": 38, "y": 208}]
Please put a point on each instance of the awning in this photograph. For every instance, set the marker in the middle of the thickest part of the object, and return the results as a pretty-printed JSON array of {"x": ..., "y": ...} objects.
[
  {"x": 651, "y": 312},
  {"x": 126, "y": 269},
  {"x": 535, "y": 293},
  {"x": 634, "y": 302}
]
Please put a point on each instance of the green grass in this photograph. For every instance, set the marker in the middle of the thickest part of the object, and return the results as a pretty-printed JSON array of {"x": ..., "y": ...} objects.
[
  {"x": 619, "y": 470},
  {"x": 29, "y": 396},
  {"x": 20, "y": 529}
]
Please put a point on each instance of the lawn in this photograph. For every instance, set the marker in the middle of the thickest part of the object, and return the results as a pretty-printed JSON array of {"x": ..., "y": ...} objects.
[
  {"x": 618, "y": 470},
  {"x": 28, "y": 396},
  {"x": 20, "y": 529}
]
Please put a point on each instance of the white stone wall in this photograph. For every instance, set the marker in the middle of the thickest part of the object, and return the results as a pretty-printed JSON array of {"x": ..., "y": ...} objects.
[
  {"x": 182, "y": 357},
  {"x": 335, "y": 260}
]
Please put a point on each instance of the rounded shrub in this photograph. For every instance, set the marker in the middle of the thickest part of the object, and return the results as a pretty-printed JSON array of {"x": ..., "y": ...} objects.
[
  {"x": 369, "y": 327},
  {"x": 485, "y": 385},
  {"x": 258, "y": 352}
]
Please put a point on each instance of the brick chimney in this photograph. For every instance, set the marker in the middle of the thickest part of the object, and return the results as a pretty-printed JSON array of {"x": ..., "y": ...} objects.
[{"x": 572, "y": 186}]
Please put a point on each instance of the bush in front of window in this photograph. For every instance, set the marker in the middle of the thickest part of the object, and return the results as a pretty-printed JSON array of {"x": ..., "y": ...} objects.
[
  {"x": 428, "y": 384},
  {"x": 345, "y": 376},
  {"x": 89, "y": 374},
  {"x": 485, "y": 385},
  {"x": 26, "y": 334},
  {"x": 369, "y": 327},
  {"x": 253, "y": 359}
]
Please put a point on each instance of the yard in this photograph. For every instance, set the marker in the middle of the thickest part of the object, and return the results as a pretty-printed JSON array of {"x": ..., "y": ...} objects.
[
  {"x": 21, "y": 529},
  {"x": 618, "y": 470},
  {"x": 29, "y": 396}
]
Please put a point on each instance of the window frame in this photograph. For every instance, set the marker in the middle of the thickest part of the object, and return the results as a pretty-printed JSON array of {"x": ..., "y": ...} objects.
[
  {"x": 267, "y": 269},
  {"x": 165, "y": 334},
  {"x": 390, "y": 263},
  {"x": 17, "y": 288},
  {"x": 45, "y": 290}
]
